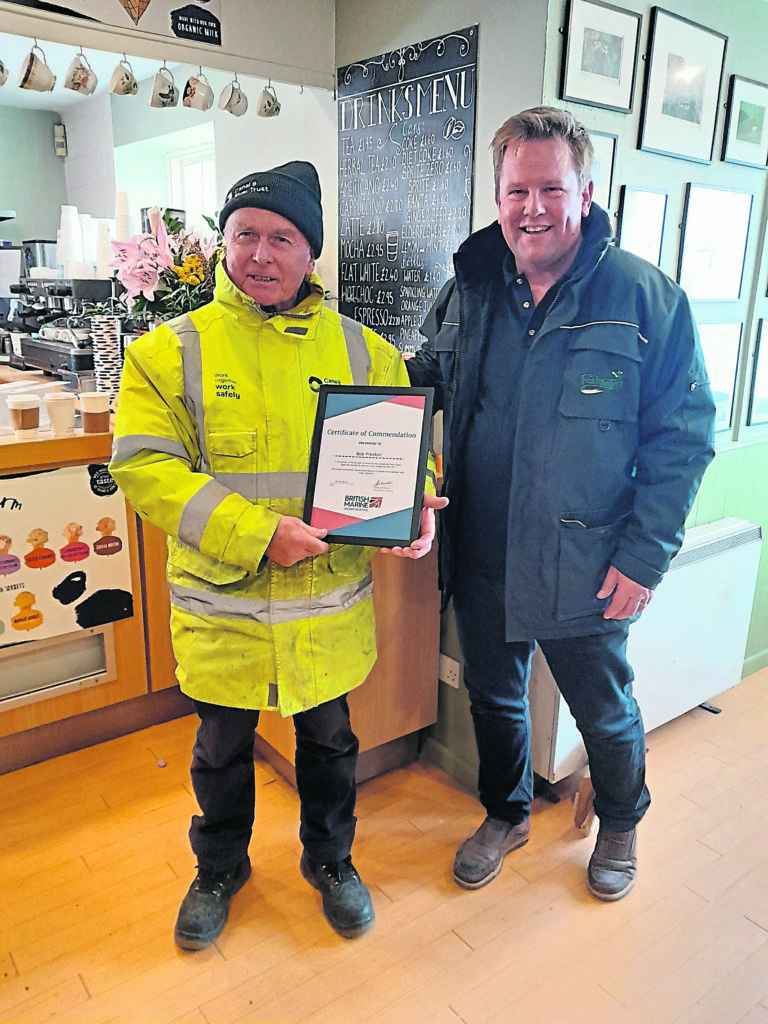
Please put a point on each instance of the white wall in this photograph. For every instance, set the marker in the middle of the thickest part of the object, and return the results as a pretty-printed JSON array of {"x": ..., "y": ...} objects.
[
  {"x": 511, "y": 37},
  {"x": 89, "y": 166},
  {"x": 32, "y": 179}
]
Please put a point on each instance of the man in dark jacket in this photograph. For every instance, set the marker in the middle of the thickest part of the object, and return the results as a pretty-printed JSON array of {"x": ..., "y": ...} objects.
[{"x": 578, "y": 421}]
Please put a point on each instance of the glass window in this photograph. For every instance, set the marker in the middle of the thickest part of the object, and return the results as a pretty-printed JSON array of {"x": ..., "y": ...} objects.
[
  {"x": 758, "y": 397},
  {"x": 720, "y": 344}
]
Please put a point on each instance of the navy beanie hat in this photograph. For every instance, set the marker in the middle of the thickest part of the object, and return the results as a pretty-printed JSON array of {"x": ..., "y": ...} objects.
[{"x": 291, "y": 190}]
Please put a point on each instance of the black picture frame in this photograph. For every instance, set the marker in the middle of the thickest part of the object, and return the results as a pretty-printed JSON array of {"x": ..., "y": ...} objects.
[
  {"x": 604, "y": 145},
  {"x": 721, "y": 345},
  {"x": 713, "y": 242},
  {"x": 759, "y": 372},
  {"x": 745, "y": 138},
  {"x": 600, "y": 54},
  {"x": 681, "y": 97},
  {"x": 370, "y": 474},
  {"x": 641, "y": 220}
]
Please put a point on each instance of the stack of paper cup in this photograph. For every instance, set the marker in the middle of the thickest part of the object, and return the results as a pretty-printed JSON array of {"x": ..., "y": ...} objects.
[
  {"x": 88, "y": 234},
  {"x": 123, "y": 223},
  {"x": 107, "y": 353},
  {"x": 104, "y": 252},
  {"x": 69, "y": 255}
]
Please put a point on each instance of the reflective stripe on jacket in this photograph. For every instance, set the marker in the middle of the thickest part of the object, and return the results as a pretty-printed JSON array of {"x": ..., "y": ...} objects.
[{"x": 212, "y": 441}]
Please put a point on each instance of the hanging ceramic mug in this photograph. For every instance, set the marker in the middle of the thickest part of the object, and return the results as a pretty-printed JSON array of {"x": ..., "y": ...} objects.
[
  {"x": 3, "y": 73},
  {"x": 269, "y": 104},
  {"x": 123, "y": 81},
  {"x": 197, "y": 93},
  {"x": 233, "y": 99},
  {"x": 35, "y": 73},
  {"x": 80, "y": 76},
  {"x": 164, "y": 91}
]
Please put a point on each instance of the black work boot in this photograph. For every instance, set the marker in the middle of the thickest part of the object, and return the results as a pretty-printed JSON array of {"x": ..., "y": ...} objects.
[
  {"x": 205, "y": 908},
  {"x": 346, "y": 901},
  {"x": 479, "y": 858},
  {"x": 613, "y": 864}
]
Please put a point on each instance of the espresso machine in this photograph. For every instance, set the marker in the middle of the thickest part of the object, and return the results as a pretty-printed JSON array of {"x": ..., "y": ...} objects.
[{"x": 50, "y": 330}]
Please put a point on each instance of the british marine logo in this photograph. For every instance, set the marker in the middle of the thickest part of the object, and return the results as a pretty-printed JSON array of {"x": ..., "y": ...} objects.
[
  {"x": 361, "y": 502},
  {"x": 591, "y": 384}
]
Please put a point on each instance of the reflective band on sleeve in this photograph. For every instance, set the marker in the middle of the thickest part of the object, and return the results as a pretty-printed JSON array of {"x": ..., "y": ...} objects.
[
  {"x": 357, "y": 351},
  {"x": 189, "y": 337},
  {"x": 197, "y": 512},
  {"x": 124, "y": 448},
  {"x": 207, "y": 602},
  {"x": 254, "y": 486}
]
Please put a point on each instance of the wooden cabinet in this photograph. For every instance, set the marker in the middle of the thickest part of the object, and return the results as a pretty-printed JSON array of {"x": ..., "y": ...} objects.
[{"x": 129, "y": 677}]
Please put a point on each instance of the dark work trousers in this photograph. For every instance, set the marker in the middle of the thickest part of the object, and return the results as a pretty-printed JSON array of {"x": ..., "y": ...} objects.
[
  {"x": 595, "y": 679},
  {"x": 224, "y": 784}
]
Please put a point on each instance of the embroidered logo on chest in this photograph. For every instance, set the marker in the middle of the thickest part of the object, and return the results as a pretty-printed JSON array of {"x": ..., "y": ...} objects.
[{"x": 592, "y": 384}]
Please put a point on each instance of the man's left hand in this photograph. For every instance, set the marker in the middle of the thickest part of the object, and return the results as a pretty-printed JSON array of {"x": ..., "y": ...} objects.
[
  {"x": 422, "y": 545},
  {"x": 629, "y": 598}
]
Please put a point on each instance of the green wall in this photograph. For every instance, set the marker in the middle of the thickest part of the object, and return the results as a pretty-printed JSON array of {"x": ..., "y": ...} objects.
[{"x": 736, "y": 484}]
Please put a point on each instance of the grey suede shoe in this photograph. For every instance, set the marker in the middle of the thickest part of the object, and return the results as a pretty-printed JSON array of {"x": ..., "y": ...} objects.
[
  {"x": 346, "y": 901},
  {"x": 613, "y": 864},
  {"x": 479, "y": 858},
  {"x": 205, "y": 908}
]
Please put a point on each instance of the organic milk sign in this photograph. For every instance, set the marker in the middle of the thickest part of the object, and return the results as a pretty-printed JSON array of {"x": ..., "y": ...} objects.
[{"x": 64, "y": 562}]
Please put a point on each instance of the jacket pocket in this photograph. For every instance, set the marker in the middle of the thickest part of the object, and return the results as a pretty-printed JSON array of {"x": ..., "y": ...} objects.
[
  {"x": 233, "y": 458},
  {"x": 602, "y": 377},
  {"x": 183, "y": 559},
  {"x": 588, "y": 539},
  {"x": 352, "y": 560}
]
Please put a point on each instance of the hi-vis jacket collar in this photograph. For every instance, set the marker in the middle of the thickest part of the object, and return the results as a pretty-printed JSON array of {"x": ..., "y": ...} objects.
[{"x": 227, "y": 293}]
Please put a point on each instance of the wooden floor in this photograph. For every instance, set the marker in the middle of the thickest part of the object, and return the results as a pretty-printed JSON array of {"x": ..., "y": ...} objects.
[{"x": 94, "y": 863}]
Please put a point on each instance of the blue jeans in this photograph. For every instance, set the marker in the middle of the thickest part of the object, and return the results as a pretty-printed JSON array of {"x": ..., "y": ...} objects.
[
  {"x": 595, "y": 679},
  {"x": 223, "y": 780}
]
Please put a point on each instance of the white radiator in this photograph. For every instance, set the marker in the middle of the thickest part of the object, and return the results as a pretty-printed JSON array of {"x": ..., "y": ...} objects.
[{"x": 688, "y": 645}]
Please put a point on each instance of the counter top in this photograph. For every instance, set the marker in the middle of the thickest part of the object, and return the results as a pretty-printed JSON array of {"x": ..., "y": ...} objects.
[{"x": 47, "y": 451}]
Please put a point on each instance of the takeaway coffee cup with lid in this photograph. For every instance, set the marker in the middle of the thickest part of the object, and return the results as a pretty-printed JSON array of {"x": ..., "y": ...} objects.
[
  {"x": 123, "y": 81},
  {"x": 24, "y": 411},
  {"x": 35, "y": 73},
  {"x": 94, "y": 411},
  {"x": 197, "y": 93},
  {"x": 269, "y": 104},
  {"x": 80, "y": 76},
  {"x": 233, "y": 99},
  {"x": 164, "y": 91}
]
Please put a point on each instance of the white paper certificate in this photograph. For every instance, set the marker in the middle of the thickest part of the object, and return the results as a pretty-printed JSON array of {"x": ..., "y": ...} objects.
[{"x": 368, "y": 464}]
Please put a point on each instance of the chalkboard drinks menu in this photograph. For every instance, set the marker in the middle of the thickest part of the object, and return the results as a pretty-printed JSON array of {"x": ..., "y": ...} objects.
[{"x": 406, "y": 124}]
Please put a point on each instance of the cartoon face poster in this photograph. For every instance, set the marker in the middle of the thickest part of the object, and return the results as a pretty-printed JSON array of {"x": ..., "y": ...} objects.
[{"x": 64, "y": 563}]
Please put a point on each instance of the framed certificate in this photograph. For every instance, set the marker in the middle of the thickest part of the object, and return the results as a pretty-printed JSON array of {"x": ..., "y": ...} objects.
[{"x": 368, "y": 464}]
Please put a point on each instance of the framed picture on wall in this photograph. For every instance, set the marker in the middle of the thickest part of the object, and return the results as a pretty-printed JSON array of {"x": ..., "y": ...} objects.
[
  {"x": 721, "y": 344},
  {"x": 745, "y": 139},
  {"x": 714, "y": 242},
  {"x": 602, "y": 166},
  {"x": 758, "y": 395},
  {"x": 600, "y": 58},
  {"x": 641, "y": 222},
  {"x": 682, "y": 88}
]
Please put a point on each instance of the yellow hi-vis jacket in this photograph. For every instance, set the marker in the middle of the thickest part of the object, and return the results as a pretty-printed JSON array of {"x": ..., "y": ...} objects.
[{"x": 212, "y": 439}]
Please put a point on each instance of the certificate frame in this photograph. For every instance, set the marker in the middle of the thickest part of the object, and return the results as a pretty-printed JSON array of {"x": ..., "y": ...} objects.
[{"x": 368, "y": 464}]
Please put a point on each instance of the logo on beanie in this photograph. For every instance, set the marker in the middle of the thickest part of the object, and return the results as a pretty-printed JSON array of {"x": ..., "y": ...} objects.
[{"x": 245, "y": 189}]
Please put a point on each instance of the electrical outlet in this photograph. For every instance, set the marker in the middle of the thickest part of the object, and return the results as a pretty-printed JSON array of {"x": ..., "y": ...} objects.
[{"x": 449, "y": 671}]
